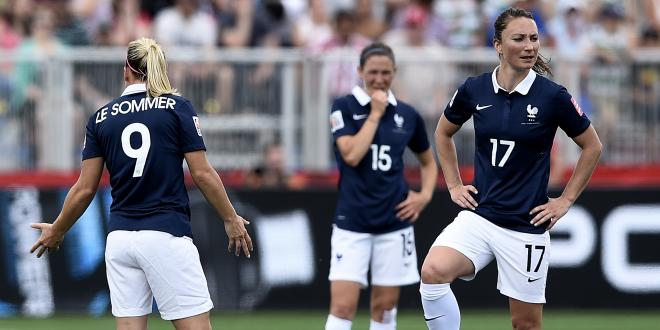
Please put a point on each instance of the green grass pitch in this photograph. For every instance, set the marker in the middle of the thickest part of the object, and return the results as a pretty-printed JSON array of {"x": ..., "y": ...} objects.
[{"x": 407, "y": 320}]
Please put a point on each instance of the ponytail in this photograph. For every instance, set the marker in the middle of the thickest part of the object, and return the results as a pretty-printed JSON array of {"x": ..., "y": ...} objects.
[{"x": 146, "y": 56}]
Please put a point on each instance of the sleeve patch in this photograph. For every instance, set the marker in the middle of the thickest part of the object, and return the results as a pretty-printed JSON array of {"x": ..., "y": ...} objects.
[
  {"x": 336, "y": 120},
  {"x": 196, "y": 121},
  {"x": 577, "y": 106}
]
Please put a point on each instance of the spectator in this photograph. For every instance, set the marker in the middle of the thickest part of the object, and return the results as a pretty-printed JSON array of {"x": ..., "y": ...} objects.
[
  {"x": 313, "y": 27},
  {"x": 27, "y": 76},
  {"x": 343, "y": 73},
  {"x": 128, "y": 23},
  {"x": 185, "y": 24},
  {"x": 366, "y": 23},
  {"x": 9, "y": 39},
  {"x": 435, "y": 28},
  {"x": 609, "y": 75},
  {"x": 462, "y": 19},
  {"x": 271, "y": 174},
  {"x": 428, "y": 100},
  {"x": 68, "y": 28},
  {"x": 94, "y": 14}
]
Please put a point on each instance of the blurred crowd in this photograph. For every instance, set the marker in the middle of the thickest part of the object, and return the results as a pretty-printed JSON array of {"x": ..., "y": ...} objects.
[{"x": 569, "y": 26}]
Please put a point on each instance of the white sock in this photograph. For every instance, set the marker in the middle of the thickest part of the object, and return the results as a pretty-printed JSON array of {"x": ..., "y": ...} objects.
[
  {"x": 388, "y": 323},
  {"x": 440, "y": 307},
  {"x": 336, "y": 323}
]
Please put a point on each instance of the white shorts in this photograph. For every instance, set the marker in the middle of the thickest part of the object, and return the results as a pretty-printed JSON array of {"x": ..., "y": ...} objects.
[
  {"x": 391, "y": 256},
  {"x": 522, "y": 258},
  {"x": 146, "y": 264}
]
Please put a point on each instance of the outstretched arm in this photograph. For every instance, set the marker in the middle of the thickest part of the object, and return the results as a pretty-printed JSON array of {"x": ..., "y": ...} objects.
[
  {"x": 556, "y": 208},
  {"x": 209, "y": 183},
  {"x": 75, "y": 203}
]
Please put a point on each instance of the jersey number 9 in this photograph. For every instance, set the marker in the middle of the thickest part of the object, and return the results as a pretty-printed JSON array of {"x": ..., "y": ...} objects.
[{"x": 140, "y": 154}]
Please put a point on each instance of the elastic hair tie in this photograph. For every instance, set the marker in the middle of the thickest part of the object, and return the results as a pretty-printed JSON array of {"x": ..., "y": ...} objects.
[{"x": 132, "y": 69}]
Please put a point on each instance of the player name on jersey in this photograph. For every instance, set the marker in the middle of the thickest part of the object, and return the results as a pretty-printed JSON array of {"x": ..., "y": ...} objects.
[{"x": 136, "y": 105}]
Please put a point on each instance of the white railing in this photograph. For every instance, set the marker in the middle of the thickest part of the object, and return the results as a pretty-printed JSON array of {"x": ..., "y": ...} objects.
[{"x": 249, "y": 99}]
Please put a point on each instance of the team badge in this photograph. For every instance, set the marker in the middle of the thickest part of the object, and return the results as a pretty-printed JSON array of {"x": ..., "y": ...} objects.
[
  {"x": 532, "y": 111},
  {"x": 196, "y": 121},
  {"x": 336, "y": 121},
  {"x": 398, "y": 120}
]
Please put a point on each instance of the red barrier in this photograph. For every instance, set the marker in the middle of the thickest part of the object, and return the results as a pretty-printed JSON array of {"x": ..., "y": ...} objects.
[{"x": 604, "y": 177}]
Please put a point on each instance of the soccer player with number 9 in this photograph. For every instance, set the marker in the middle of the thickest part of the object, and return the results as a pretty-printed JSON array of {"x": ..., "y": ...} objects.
[{"x": 142, "y": 137}]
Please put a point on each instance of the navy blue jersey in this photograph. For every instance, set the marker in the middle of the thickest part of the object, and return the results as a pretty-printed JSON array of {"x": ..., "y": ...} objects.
[
  {"x": 370, "y": 191},
  {"x": 142, "y": 141},
  {"x": 514, "y": 133}
]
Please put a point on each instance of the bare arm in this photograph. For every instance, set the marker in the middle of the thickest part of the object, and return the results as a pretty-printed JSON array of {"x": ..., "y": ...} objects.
[
  {"x": 446, "y": 148},
  {"x": 353, "y": 147},
  {"x": 556, "y": 208},
  {"x": 209, "y": 183},
  {"x": 75, "y": 203},
  {"x": 413, "y": 205}
]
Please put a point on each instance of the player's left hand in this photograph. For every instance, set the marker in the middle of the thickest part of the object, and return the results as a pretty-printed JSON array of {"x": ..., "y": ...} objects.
[
  {"x": 551, "y": 211},
  {"x": 412, "y": 206},
  {"x": 49, "y": 240}
]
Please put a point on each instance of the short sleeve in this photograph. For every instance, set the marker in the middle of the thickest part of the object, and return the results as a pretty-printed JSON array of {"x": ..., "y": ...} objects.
[
  {"x": 91, "y": 146},
  {"x": 419, "y": 141},
  {"x": 341, "y": 122},
  {"x": 570, "y": 117},
  {"x": 458, "y": 110},
  {"x": 191, "y": 131}
]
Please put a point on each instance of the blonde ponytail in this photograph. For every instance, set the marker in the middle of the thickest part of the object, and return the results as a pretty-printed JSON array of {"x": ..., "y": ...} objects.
[{"x": 151, "y": 65}]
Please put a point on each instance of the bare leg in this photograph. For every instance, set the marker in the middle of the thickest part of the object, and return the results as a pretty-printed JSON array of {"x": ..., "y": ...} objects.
[
  {"x": 383, "y": 298},
  {"x": 197, "y": 322},
  {"x": 344, "y": 296},
  {"x": 131, "y": 323},
  {"x": 525, "y": 316}
]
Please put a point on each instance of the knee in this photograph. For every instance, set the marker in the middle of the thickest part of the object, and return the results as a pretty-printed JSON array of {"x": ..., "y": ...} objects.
[
  {"x": 525, "y": 323},
  {"x": 343, "y": 311},
  {"x": 379, "y": 308},
  {"x": 436, "y": 274}
]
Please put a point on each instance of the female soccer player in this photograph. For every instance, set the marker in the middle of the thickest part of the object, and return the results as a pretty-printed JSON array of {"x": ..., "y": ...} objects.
[
  {"x": 507, "y": 214},
  {"x": 142, "y": 138},
  {"x": 376, "y": 209}
]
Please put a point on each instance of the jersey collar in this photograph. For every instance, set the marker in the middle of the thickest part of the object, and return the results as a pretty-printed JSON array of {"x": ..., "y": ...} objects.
[
  {"x": 134, "y": 88},
  {"x": 363, "y": 98},
  {"x": 522, "y": 87}
]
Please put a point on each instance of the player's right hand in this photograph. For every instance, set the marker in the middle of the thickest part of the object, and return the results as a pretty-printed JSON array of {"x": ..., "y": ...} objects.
[
  {"x": 238, "y": 235},
  {"x": 462, "y": 196},
  {"x": 49, "y": 240},
  {"x": 378, "y": 102}
]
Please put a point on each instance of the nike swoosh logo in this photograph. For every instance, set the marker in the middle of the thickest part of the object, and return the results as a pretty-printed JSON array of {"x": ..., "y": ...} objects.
[
  {"x": 530, "y": 280},
  {"x": 483, "y": 107},
  {"x": 359, "y": 117},
  {"x": 433, "y": 318}
]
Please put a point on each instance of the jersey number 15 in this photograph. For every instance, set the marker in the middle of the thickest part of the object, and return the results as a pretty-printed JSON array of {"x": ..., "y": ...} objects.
[{"x": 380, "y": 158}]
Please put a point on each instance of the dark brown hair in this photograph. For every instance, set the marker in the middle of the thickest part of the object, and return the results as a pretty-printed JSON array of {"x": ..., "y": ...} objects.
[
  {"x": 376, "y": 48},
  {"x": 541, "y": 66}
]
